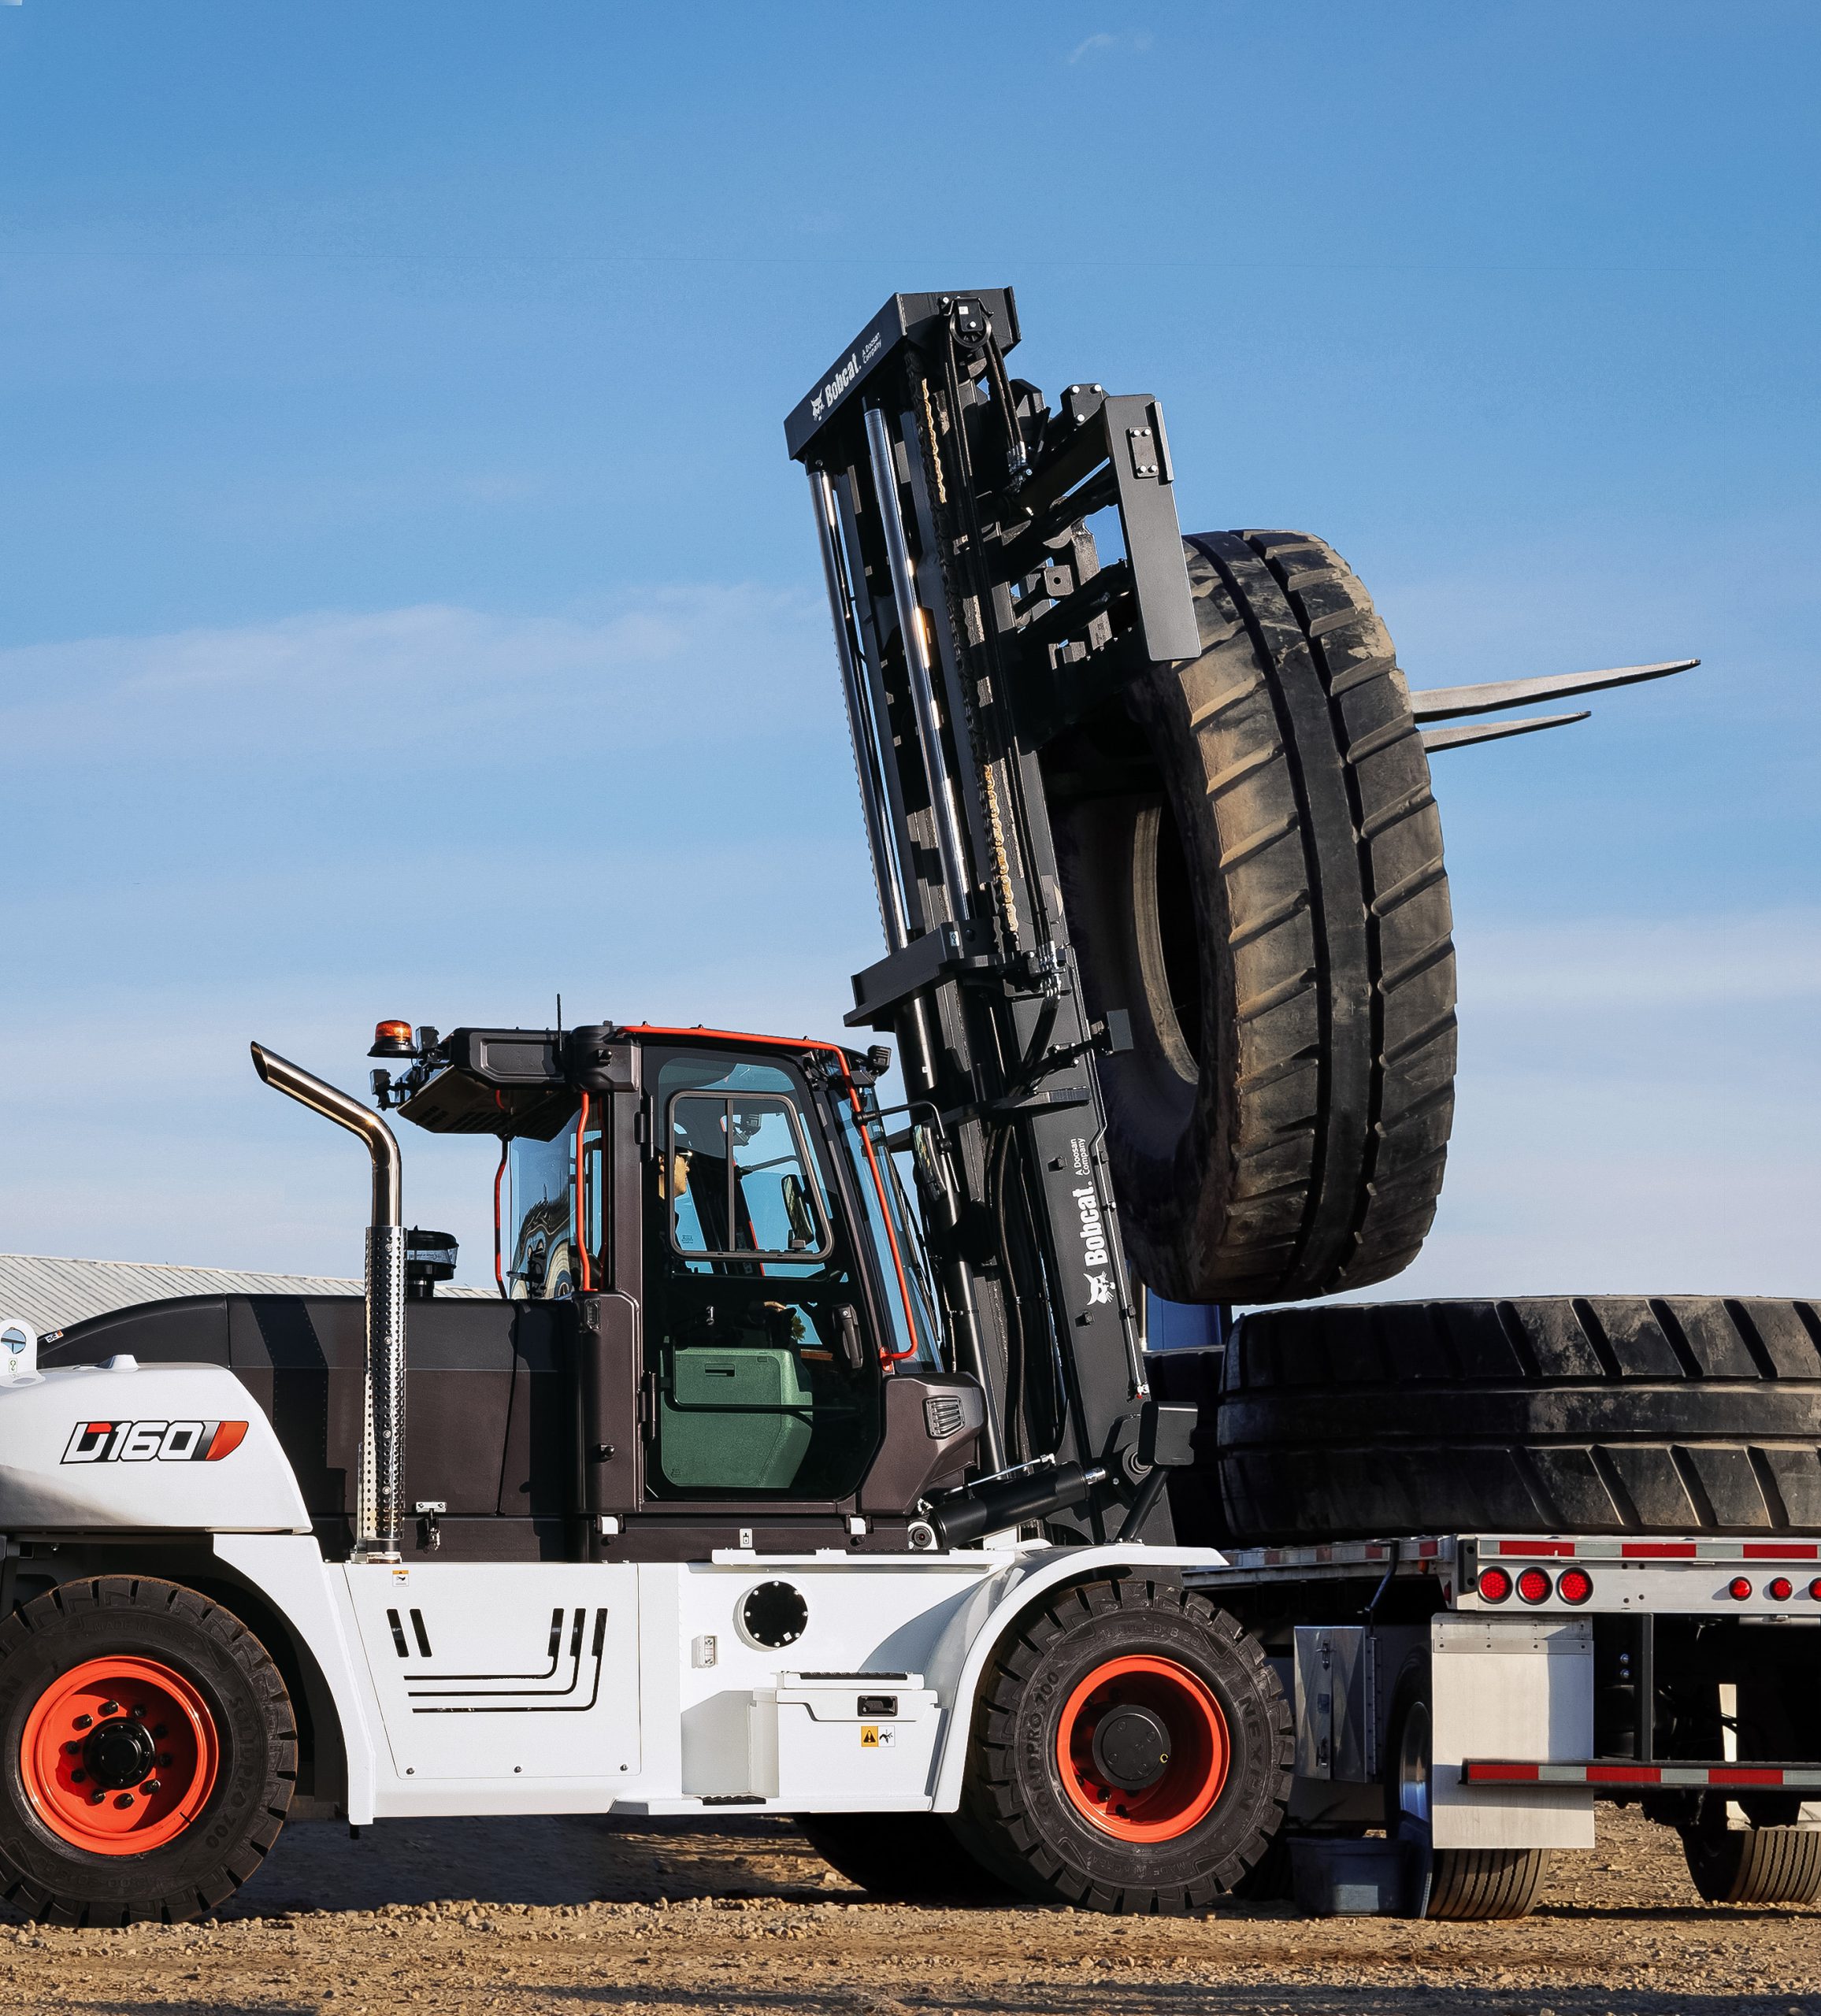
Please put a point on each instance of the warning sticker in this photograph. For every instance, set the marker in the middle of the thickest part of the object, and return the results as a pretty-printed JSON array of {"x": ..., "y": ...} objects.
[{"x": 873, "y": 1737}]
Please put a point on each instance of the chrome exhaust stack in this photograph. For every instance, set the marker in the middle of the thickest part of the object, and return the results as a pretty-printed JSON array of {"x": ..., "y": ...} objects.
[{"x": 382, "y": 1479}]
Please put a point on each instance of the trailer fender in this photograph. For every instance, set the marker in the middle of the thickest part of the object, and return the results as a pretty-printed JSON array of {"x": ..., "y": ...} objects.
[
  {"x": 290, "y": 1573},
  {"x": 982, "y": 1623}
]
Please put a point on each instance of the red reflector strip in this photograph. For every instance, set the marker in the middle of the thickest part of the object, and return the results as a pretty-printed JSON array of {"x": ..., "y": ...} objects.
[
  {"x": 1762, "y": 1550},
  {"x": 1658, "y": 1550},
  {"x": 1478, "y": 1771},
  {"x": 1549, "y": 1549}
]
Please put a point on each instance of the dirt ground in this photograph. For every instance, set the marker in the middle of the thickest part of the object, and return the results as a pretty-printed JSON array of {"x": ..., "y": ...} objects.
[{"x": 582, "y": 1916}]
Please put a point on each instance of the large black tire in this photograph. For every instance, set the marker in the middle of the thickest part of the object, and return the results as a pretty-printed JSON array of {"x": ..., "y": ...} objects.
[
  {"x": 1019, "y": 1818},
  {"x": 1255, "y": 875},
  {"x": 1462, "y": 1884},
  {"x": 903, "y": 1858},
  {"x": 1753, "y": 1865},
  {"x": 1597, "y": 1414},
  {"x": 137, "y": 1627}
]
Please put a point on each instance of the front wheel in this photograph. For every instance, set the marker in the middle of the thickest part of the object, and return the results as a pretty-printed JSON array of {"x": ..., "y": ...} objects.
[
  {"x": 1131, "y": 1752},
  {"x": 148, "y": 1753}
]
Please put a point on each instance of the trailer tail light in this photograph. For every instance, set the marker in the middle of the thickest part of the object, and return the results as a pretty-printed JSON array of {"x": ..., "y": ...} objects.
[
  {"x": 1534, "y": 1585},
  {"x": 1781, "y": 1590},
  {"x": 1495, "y": 1586},
  {"x": 1814, "y": 1588},
  {"x": 1739, "y": 1588},
  {"x": 1576, "y": 1585}
]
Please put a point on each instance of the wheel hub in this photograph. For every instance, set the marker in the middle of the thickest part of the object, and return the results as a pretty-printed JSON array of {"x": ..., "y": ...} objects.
[
  {"x": 1131, "y": 1747},
  {"x": 1142, "y": 1749},
  {"x": 119, "y": 1754}
]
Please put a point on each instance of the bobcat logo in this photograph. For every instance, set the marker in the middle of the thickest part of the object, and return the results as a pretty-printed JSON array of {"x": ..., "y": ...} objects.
[{"x": 1099, "y": 1289}]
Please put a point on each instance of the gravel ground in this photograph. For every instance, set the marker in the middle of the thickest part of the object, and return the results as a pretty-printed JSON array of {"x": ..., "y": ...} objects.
[{"x": 581, "y": 1916}]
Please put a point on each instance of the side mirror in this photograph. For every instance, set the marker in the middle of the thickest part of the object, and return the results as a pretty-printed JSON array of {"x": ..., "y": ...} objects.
[{"x": 18, "y": 1352}]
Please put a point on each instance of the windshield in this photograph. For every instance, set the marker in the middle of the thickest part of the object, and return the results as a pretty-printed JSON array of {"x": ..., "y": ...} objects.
[{"x": 897, "y": 1238}]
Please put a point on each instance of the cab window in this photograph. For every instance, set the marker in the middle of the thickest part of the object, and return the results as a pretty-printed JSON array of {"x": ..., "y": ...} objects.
[{"x": 537, "y": 1218}]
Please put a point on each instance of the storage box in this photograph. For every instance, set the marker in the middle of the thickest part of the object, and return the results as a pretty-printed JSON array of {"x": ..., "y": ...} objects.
[{"x": 1333, "y": 1877}]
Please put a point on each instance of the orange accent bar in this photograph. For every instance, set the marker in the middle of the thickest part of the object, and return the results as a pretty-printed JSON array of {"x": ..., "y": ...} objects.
[
  {"x": 226, "y": 1440},
  {"x": 581, "y": 1196},
  {"x": 499, "y": 1178}
]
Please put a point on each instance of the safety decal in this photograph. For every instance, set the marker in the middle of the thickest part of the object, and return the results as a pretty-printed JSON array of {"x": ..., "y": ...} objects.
[{"x": 154, "y": 1441}]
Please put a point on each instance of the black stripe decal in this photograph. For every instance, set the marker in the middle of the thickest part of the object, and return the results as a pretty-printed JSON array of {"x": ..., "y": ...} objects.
[
  {"x": 549, "y": 1673},
  {"x": 535, "y": 1707}
]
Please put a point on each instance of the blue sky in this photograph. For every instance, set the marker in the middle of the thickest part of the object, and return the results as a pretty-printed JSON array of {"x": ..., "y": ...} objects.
[{"x": 408, "y": 607}]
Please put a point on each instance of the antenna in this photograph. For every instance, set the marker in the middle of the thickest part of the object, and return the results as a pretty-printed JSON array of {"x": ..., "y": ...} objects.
[{"x": 559, "y": 1017}]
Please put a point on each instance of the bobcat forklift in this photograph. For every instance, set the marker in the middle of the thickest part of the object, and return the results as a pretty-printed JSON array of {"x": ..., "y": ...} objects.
[{"x": 809, "y": 1461}]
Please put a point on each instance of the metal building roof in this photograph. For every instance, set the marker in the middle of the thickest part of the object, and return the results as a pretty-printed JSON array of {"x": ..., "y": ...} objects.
[{"x": 50, "y": 1294}]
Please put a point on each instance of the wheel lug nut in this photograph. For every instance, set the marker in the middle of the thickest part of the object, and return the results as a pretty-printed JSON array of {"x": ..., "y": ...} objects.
[
  {"x": 78, "y": 1777},
  {"x": 151, "y": 1786},
  {"x": 167, "y": 1760},
  {"x": 139, "y": 1707},
  {"x": 160, "y": 1731},
  {"x": 83, "y": 1722},
  {"x": 125, "y": 1800},
  {"x": 110, "y": 1707},
  {"x": 95, "y": 1798}
]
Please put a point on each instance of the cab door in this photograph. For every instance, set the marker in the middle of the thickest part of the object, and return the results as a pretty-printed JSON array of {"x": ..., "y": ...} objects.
[{"x": 762, "y": 1372}]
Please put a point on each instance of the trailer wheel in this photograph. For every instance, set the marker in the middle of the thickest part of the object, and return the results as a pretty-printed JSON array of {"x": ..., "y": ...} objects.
[
  {"x": 1593, "y": 1415},
  {"x": 1251, "y": 866},
  {"x": 1752, "y": 1865},
  {"x": 902, "y": 1857},
  {"x": 148, "y": 1752},
  {"x": 1131, "y": 1752},
  {"x": 1459, "y": 1884}
]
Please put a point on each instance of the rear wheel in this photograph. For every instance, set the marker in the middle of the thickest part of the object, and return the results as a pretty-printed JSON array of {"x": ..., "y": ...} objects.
[
  {"x": 902, "y": 1857},
  {"x": 1752, "y": 1865},
  {"x": 1461, "y": 1884},
  {"x": 147, "y": 1753},
  {"x": 1131, "y": 1752}
]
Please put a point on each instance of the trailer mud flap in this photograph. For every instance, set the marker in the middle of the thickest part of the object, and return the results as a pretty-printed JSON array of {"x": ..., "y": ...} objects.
[{"x": 1516, "y": 1688}]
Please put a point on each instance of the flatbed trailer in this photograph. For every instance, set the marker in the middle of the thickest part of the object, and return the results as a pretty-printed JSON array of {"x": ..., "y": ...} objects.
[{"x": 1481, "y": 1692}]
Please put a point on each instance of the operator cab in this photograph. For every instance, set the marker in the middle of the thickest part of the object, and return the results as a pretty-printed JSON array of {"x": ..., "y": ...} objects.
[{"x": 730, "y": 1272}]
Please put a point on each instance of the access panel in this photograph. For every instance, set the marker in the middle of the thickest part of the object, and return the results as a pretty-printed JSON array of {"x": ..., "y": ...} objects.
[{"x": 529, "y": 1670}]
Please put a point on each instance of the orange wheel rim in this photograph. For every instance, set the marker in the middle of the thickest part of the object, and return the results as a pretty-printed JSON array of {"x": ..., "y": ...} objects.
[
  {"x": 118, "y": 1755},
  {"x": 1142, "y": 1749}
]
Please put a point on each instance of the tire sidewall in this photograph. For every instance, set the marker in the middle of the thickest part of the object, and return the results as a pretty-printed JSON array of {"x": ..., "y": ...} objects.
[
  {"x": 64, "y": 1639},
  {"x": 1214, "y": 1852}
]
